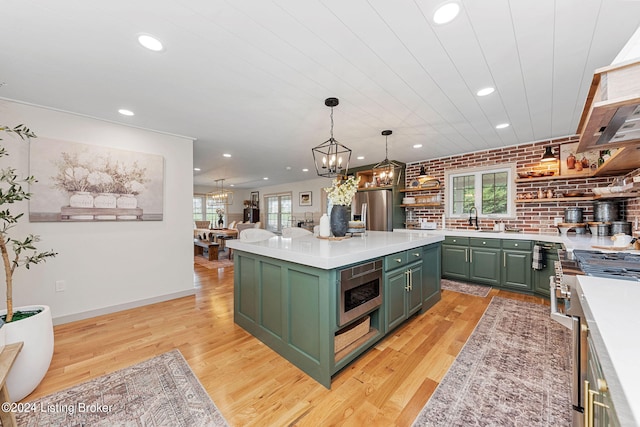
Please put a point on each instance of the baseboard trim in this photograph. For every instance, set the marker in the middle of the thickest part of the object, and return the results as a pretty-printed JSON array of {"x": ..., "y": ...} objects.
[{"x": 120, "y": 307}]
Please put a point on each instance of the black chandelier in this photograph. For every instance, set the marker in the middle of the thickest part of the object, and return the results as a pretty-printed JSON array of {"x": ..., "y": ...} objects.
[
  {"x": 331, "y": 157},
  {"x": 386, "y": 168}
]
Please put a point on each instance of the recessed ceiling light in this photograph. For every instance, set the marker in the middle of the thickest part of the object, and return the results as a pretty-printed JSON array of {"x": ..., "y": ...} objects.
[
  {"x": 486, "y": 91},
  {"x": 502, "y": 126},
  {"x": 150, "y": 42},
  {"x": 360, "y": 157},
  {"x": 232, "y": 185},
  {"x": 226, "y": 155},
  {"x": 446, "y": 13},
  {"x": 125, "y": 112},
  {"x": 196, "y": 169},
  {"x": 305, "y": 170},
  {"x": 266, "y": 178},
  {"x": 288, "y": 168},
  {"x": 417, "y": 145}
]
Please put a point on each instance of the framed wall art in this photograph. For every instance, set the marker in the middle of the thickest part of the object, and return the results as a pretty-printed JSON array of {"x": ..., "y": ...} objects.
[
  {"x": 82, "y": 182},
  {"x": 305, "y": 198},
  {"x": 255, "y": 199}
]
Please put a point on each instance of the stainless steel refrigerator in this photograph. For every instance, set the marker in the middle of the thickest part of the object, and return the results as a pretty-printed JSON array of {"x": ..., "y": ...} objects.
[{"x": 375, "y": 208}]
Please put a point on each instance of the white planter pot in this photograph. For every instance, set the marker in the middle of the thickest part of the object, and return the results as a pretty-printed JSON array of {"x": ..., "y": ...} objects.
[{"x": 36, "y": 332}]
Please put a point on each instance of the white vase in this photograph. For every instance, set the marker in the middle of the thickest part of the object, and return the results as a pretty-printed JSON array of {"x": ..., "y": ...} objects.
[
  {"x": 127, "y": 201},
  {"x": 81, "y": 199},
  {"x": 36, "y": 332},
  {"x": 325, "y": 228},
  {"x": 105, "y": 200}
]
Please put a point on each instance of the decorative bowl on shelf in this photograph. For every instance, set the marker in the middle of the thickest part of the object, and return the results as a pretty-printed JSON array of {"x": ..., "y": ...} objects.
[
  {"x": 523, "y": 175},
  {"x": 549, "y": 173},
  {"x": 572, "y": 193}
]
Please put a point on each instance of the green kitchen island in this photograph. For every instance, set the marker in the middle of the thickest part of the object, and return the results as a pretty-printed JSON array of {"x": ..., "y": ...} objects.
[{"x": 287, "y": 293}]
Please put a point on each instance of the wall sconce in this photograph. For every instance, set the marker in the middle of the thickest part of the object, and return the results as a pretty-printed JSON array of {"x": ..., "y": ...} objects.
[
  {"x": 331, "y": 157},
  {"x": 548, "y": 155}
]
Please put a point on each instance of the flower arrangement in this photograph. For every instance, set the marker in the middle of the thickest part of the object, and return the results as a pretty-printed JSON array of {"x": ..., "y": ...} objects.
[
  {"x": 98, "y": 175},
  {"x": 220, "y": 211},
  {"x": 341, "y": 192}
]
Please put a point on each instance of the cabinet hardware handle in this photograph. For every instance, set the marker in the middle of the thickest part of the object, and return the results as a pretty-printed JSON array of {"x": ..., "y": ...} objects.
[
  {"x": 466, "y": 256},
  {"x": 470, "y": 255},
  {"x": 504, "y": 259},
  {"x": 406, "y": 281},
  {"x": 484, "y": 243},
  {"x": 397, "y": 260},
  {"x": 515, "y": 244},
  {"x": 416, "y": 254}
]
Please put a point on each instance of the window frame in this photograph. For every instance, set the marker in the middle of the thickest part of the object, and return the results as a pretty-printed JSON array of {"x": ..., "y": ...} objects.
[
  {"x": 477, "y": 172},
  {"x": 266, "y": 198}
]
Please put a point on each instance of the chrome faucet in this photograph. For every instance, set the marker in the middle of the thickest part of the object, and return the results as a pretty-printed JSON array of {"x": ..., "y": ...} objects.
[{"x": 476, "y": 218}]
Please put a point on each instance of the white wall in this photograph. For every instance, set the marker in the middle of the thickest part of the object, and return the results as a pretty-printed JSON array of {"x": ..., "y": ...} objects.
[
  {"x": 107, "y": 266},
  {"x": 314, "y": 185}
]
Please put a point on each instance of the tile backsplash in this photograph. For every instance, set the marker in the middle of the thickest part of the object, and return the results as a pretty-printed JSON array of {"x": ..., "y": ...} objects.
[{"x": 531, "y": 217}]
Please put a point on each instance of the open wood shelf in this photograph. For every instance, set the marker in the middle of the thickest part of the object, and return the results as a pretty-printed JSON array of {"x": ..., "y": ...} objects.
[
  {"x": 407, "y": 190},
  {"x": 421, "y": 205}
]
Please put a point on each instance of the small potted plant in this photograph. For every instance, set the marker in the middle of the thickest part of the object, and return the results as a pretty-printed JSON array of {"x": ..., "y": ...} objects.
[{"x": 32, "y": 325}]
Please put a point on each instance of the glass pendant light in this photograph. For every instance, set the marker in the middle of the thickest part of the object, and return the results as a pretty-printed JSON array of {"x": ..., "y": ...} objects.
[{"x": 331, "y": 157}]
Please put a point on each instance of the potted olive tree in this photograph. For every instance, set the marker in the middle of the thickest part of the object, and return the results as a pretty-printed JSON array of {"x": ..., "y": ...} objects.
[{"x": 32, "y": 324}]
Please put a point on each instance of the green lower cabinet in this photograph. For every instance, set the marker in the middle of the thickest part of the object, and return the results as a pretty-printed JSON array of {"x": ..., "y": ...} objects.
[
  {"x": 600, "y": 412},
  {"x": 541, "y": 277},
  {"x": 431, "y": 273},
  {"x": 455, "y": 262},
  {"x": 516, "y": 270},
  {"x": 484, "y": 265},
  {"x": 402, "y": 294}
]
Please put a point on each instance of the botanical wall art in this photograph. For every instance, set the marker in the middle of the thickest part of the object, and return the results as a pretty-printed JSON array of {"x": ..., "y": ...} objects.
[{"x": 81, "y": 182}]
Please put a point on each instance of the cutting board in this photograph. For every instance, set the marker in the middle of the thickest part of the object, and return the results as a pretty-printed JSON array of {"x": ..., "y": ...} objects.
[{"x": 613, "y": 248}]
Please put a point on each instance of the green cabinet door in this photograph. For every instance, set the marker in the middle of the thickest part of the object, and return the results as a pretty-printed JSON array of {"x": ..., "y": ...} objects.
[
  {"x": 394, "y": 298},
  {"x": 414, "y": 295},
  {"x": 541, "y": 277},
  {"x": 484, "y": 265},
  {"x": 455, "y": 262},
  {"x": 403, "y": 294},
  {"x": 516, "y": 269},
  {"x": 431, "y": 272},
  {"x": 601, "y": 413}
]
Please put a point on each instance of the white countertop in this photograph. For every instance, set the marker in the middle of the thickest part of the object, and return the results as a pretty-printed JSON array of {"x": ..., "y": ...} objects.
[
  {"x": 329, "y": 254},
  {"x": 611, "y": 309},
  {"x": 570, "y": 241}
]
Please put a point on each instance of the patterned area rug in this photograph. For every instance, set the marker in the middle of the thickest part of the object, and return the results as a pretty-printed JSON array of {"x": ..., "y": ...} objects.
[
  {"x": 513, "y": 371},
  {"x": 465, "y": 288},
  {"x": 162, "y": 391},
  {"x": 212, "y": 265}
]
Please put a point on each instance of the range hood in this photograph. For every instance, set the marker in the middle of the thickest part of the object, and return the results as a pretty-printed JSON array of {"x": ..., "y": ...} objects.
[{"x": 611, "y": 117}]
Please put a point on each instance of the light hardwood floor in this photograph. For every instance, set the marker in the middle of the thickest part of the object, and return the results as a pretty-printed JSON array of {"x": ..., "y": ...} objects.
[{"x": 251, "y": 384}]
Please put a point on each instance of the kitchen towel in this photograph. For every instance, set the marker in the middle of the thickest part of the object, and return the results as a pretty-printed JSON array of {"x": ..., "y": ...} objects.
[{"x": 538, "y": 261}]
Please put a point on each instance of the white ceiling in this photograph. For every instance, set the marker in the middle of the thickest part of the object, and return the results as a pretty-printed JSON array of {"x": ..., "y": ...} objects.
[{"x": 249, "y": 77}]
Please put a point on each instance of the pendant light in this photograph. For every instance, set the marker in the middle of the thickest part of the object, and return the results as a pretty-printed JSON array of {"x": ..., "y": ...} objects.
[
  {"x": 331, "y": 157},
  {"x": 386, "y": 168},
  {"x": 220, "y": 196},
  {"x": 548, "y": 155}
]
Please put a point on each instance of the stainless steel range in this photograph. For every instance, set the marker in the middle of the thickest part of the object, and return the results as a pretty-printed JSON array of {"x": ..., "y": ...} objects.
[{"x": 567, "y": 310}]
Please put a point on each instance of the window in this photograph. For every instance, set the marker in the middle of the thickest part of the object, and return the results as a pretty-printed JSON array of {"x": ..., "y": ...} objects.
[
  {"x": 198, "y": 208},
  {"x": 204, "y": 209},
  {"x": 278, "y": 215},
  {"x": 489, "y": 189}
]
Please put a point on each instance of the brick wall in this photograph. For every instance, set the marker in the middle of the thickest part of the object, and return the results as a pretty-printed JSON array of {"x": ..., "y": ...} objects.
[{"x": 532, "y": 217}]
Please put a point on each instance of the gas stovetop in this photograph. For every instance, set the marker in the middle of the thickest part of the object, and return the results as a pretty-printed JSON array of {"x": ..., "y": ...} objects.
[{"x": 614, "y": 265}]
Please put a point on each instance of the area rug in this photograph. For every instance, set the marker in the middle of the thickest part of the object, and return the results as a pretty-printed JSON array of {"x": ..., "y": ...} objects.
[
  {"x": 162, "y": 391},
  {"x": 465, "y": 288},
  {"x": 515, "y": 370},
  {"x": 212, "y": 265}
]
